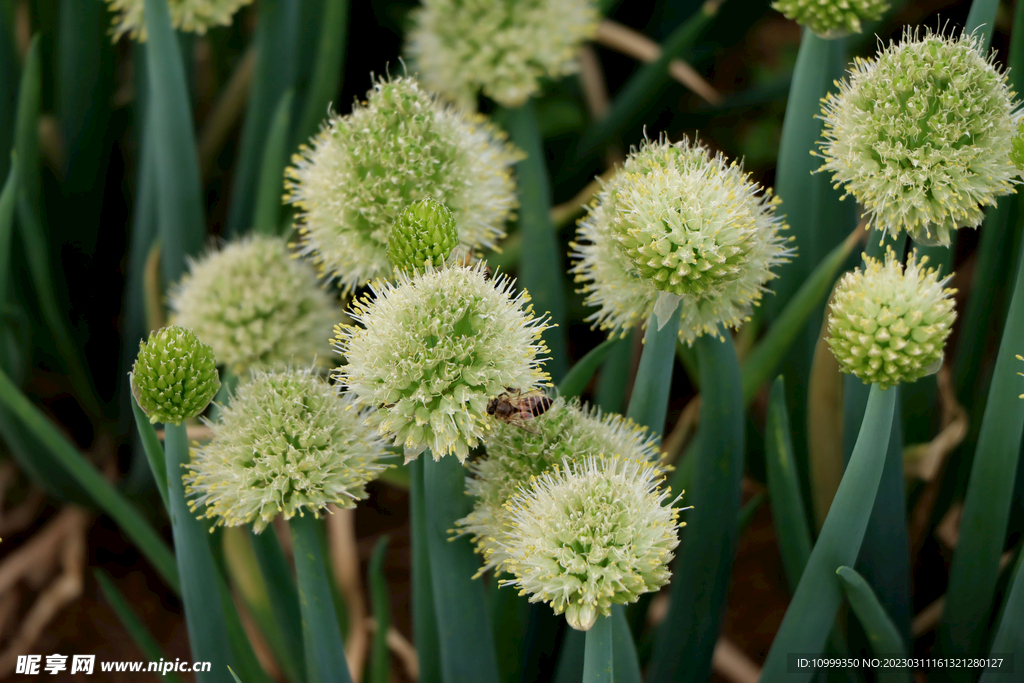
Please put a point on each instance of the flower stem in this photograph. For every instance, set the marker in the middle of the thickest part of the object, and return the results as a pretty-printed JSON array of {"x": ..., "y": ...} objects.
[{"x": 598, "y": 664}]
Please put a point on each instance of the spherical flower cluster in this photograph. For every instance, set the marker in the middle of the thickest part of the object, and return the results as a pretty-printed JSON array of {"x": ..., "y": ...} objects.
[
  {"x": 256, "y": 306},
  {"x": 566, "y": 433},
  {"x": 461, "y": 47},
  {"x": 174, "y": 376},
  {"x": 430, "y": 352},
  {"x": 590, "y": 535},
  {"x": 680, "y": 225},
  {"x": 889, "y": 325},
  {"x": 921, "y": 135},
  {"x": 363, "y": 170},
  {"x": 192, "y": 16},
  {"x": 424, "y": 233},
  {"x": 832, "y": 18},
  {"x": 286, "y": 444}
]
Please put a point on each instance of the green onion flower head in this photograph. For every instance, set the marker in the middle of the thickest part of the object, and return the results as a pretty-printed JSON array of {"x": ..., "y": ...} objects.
[
  {"x": 591, "y": 535},
  {"x": 191, "y": 16},
  {"x": 888, "y": 324},
  {"x": 505, "y": 49},
  {"x": 832, "y": 18},
  {"x": 566, "y": 433},
  {"x": 256, "y": 305},
  {"x": 1017, "y": 147},
  {"x": 430, "y": 351},
  {"x": 174, "y": 376},
  {"x": 921, "y": 136},
  {"x": 425, "y": 233},
  {"x": 287, "y": 444},
  {"x": 362, "y": 171},
  {"x": 678, "y": 226}
]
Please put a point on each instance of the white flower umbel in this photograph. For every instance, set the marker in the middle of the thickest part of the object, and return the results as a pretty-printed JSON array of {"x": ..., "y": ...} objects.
[
  {"x": 256, "y": 306},
  {"x": 286, "y": 444},
  {"x": 191, "y": 16},
  {"x": 678, "y": 226},
  {"x": 590, "y": 535},
  {"x": 921, "y": 135},
  {"x": 463, "y": 47},
  {"x": 430, "y": 351},
  {"x": 362, "y": 171},
  {"x": 566, "y": 433}
]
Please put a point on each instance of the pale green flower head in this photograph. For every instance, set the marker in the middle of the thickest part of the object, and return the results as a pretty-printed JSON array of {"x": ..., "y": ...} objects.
[
  {"x": 678, "y": 226},
  {"x": 424, "y": 234},
  {"x": 256, "y": 305},
  {"x": 591, "y": 535},
  {"x": 362, "y": 171},
  {"x": 430, "y": 351},
  {"x": 832, "y": 18},
  {"x": 920, "y": 136},
  {"x": 191, "y": 16},
  {"x": 174, "y": 376},
  {"x": 504, "y": 49},
  {"x": 566, "y": 433},
  {"x": 286, "y": 444},
  {"x": 889, "y": 325}
]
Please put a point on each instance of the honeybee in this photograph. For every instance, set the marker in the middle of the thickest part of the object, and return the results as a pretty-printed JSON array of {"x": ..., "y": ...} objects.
[{"x": 515, "y": 407}]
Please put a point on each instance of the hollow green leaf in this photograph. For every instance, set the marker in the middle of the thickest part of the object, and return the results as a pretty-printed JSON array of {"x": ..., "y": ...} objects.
[
  {"x": 259, "y": 595},
  {"x": 882, "y": 633},
  {"x": 636, "y": 96},
  {"x": 321, "y": 634},
  {"x": 686, "y": 639},
  {"x": 200, "y": 589},
  {"x": 424, "y": 618},
  {"x": 598, "y": 660},
  {"x": 276, "y": 54},
  {"x": 613, "y": 382},
  {"x": 380, "y": 670},
  {"x": 8, "y": 202},
  {"x": 460, "y": 602},
  {"x": 986, "y": 511},
  {"x": 791, "y": 528},
  {"x": 806, "y": 624},
  {"x": 153, "y": 450},
  {"x": 541, "y": 273},
  {"x": 102, "y": 493},
  {"x": 981, "y": 21},
  {"x": 275, "y": 155},
  {"x": 328, "y": 69},
  {"x": 182, "y": 226},
  {"x": 576, "y": 380},
  {"x": 135, "y": 627},
  {"x": 8, "y": 87},
  {"x": 768, "y": 353},
  {"x": 284, "y": 598},
  {"x": 648, "y": 404},
  {"x": 1009, "y": 634}
]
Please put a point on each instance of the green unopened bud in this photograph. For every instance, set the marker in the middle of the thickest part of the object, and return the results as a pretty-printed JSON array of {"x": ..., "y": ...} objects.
[
  {"x": 424, "y": 233},
  {"x": 1017, "y": 147},
  {"x": 175, "y": 375}
]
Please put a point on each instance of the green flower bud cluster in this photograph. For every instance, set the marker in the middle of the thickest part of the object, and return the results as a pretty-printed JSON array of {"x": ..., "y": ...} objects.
[
  {"x": 256, "y": 305},
  {"x": 422, "y": 237},
  {"x": 590, "y": 535},
  {"x": 889, "y": 325},
  {"x": 832, "y": 18},
  {"x": 362, "y": 171},
  {"x": 174, "y": 376},
  {"x": 921, "y": 135},
  {"x": 677, "y": 221},
  {"x": 191, "y": 16},
  {"x": 286, "y": 444},
  {"x": 505, "y": 49},
  {"x": 566, "y": 433},
  {"x": 430, "y": 351}
]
